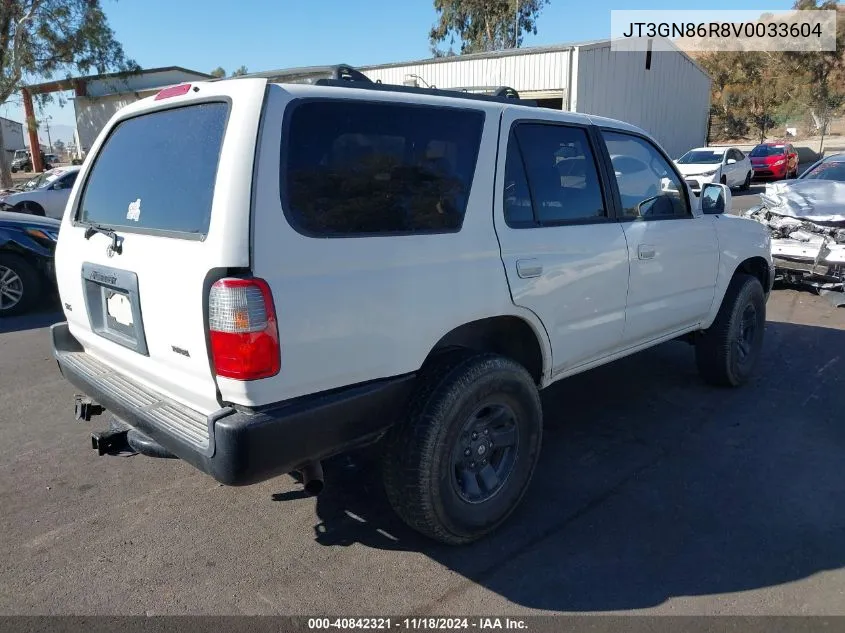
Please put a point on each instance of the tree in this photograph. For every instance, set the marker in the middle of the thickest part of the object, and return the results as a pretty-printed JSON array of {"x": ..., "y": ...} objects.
[
  {"x": 824, "y": 72},
  {"x": 218, "y": 72},
  {"x": 239, "y": 72},
  {"x": 59, "y": 147},
  {"x": 45, "y": 38},
  {"x": 483, "y": 25}
]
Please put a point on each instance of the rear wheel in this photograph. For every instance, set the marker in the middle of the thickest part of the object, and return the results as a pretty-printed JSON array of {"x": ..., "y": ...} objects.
[
  {"x": 19, "y": 285},
  {"x": 32, "y": 208},
  {"x": 727, "y": 352},
  {"x": 461, "y": 461}
]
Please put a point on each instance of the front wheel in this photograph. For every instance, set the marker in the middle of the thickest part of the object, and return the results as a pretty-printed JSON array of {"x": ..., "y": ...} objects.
[
  {"x": 727, "y": 352},
  {"x": 459, "y": 464},
  {"x": 747, "y": 184}
]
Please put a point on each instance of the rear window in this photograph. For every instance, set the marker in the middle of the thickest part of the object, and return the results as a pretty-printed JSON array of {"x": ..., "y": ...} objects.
[
  {"x": 353, "y": 168},
  {"x": 156, "y": 171}
]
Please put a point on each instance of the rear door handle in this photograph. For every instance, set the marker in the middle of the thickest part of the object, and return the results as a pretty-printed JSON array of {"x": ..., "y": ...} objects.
[
  {"x": 526, "y": 268},
  {"x": 646, "y": 251}
]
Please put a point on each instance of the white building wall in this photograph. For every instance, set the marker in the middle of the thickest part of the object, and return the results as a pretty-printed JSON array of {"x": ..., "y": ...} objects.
[
  {"x": 671, "y": 101},
  {"x": 92, "y": 114},
  {"x": 527, "y": 73}
]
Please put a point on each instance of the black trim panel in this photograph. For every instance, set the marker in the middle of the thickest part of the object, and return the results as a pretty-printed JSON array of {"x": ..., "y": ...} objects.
[{"x": 254, "y": 445}]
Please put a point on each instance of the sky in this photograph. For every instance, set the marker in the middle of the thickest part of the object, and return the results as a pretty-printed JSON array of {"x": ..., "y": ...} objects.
[{"x": 270, "y": 34}]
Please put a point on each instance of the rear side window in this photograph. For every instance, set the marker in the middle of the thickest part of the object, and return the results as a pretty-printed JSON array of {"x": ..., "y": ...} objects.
[
  {"x": 157, "y": 171},
  {"x": 356, "y": 168},
  {"x": 551, "y": 177}
]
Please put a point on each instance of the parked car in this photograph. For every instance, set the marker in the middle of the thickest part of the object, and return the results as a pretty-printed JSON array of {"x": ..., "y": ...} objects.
[
  {"x": 727, "y": 165},
  {"x": 427, "y": 262},
  {"x": 27, "y": 246},
  {"x": 24, "y": 162},
  {"x": 774, "y": 160},
  {"x": 46, "y": 194},
  {"x": 806, "y": 218}
]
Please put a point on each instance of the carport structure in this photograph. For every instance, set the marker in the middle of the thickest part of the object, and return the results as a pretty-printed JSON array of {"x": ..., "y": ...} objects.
[{"x": 98, "y": 97}]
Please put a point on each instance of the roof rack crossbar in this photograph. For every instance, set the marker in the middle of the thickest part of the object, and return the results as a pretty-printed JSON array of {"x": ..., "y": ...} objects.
[{"x": 308, "y": 74}]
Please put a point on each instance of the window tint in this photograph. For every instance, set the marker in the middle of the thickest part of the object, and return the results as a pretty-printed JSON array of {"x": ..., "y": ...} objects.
[
  {"x": 648, "y": 186},
  {"x": 157, "y": 171},
  {"x": 351, "y": 167},
  {"x": 550, "y": 176}
]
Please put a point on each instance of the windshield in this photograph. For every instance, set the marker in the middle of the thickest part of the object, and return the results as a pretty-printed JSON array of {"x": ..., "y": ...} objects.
[
  {"x": 763, "y": 151},
  {"x": 706, "y": 157},
  {"x": 831, "y": 170}
]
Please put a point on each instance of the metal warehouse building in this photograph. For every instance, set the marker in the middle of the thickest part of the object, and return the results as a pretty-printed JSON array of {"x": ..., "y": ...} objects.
[{"x": 664, "y": 92}]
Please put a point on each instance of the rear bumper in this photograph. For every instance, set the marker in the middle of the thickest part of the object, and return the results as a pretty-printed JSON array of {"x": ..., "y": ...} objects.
[{"x": 245, "y": 447}]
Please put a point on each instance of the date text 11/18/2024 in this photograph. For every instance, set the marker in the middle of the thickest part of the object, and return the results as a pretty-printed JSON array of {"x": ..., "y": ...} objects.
[{"x": 417, "y": 624}]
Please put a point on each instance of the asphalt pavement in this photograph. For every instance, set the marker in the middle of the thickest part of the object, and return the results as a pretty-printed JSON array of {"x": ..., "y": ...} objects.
[{"x": 654, "y": 494}]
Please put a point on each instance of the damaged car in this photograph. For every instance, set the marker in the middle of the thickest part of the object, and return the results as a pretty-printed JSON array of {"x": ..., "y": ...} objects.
[{"x": 806, "y": 218}]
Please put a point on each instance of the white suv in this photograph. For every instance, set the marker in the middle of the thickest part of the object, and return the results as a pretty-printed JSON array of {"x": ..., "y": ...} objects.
[{"x": 259, "y": 275}]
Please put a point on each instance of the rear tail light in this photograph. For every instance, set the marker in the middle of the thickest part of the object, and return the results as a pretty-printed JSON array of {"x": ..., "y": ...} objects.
[{"x": 242, "y": 328}]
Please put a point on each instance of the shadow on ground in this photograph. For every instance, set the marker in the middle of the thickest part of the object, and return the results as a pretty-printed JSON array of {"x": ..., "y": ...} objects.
[
  {"x": 651, "y": 485},
  {"x": 47, "y": 312}
]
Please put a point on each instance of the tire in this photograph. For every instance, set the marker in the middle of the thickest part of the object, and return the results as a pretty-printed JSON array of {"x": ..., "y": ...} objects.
[
  {"x": 747, "y": 184},
  {"x": 426, "y": 451},
  {"x": 723, "y": 180},
  {"x": 727, "y": 352},
  {"x": 32, "y": 208},
  {"x": 20, "y": 285}
]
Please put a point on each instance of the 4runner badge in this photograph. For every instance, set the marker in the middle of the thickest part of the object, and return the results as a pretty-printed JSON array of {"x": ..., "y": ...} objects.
[{"x": 134, "y": 211}]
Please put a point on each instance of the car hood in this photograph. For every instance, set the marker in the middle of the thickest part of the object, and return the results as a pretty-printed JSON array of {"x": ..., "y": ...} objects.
[
  {"x": 10, "y": 218},
  {"x": 813, "y": 200},
  {"x": 694, "y": 169}
]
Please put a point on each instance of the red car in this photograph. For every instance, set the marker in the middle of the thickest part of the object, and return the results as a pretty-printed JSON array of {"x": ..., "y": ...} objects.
[{"x": 774, "y": 160}]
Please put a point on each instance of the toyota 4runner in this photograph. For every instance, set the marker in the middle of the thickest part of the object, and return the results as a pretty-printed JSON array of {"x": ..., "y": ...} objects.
[{"x": 257, "y": 275}]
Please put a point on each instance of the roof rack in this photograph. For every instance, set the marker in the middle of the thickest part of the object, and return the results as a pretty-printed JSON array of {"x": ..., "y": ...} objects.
[
  {"x": 498, "y": 94},
  {"x": 308, "y": 74},
  {"x": 345, "y": 76}
]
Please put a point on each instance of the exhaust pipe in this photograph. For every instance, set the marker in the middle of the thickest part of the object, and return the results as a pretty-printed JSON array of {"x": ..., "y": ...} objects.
[{"x": 312, "y": 478}]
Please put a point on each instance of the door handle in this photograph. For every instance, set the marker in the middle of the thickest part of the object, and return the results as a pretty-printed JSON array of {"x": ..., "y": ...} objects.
[
  {"x": 526, "y": 268},
  {"x": 646, "y": 251}
]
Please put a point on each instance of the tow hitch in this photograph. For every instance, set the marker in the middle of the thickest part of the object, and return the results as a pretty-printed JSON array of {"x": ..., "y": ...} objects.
[
  {"x": 109, "y": 442},
  {"x": 85, "y": 408}
]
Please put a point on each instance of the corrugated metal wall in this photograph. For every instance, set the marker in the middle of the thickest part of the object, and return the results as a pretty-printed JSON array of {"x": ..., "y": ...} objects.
[
  {"x": 670, "y": 101},
  {"x": 533, "y": 72}
]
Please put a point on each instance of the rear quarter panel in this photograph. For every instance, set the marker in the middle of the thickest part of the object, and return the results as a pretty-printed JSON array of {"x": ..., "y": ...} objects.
[{"x": 352, "y": 310}]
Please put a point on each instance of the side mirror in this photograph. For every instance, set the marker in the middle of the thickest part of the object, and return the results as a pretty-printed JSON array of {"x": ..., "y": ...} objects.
[
  {"x": 731, "y": 161},
  {"x": 715, "y": 199}
]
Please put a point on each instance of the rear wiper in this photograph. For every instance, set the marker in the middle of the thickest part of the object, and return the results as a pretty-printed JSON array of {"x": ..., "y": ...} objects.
[{"x": 116, "y": 240}]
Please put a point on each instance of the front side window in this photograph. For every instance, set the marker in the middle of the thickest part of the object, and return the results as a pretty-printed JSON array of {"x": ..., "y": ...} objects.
[
  {"x": 551, "y": 177},
  {"x": 648, "y": 186},
  {"x": 359, "y": 168}
]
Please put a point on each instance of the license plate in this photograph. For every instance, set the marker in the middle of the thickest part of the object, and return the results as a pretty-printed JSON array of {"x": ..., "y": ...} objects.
[{"x": 119, "y": 308}]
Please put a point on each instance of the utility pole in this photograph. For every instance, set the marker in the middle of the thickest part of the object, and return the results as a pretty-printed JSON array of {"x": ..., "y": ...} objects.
[
  {"x": 49, "y": 141},
  {"x": 516, "y": 26}
]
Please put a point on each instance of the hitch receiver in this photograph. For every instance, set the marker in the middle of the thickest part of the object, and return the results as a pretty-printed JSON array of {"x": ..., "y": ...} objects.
[
  {"x": 109, "y": 442},
  {"x": 85, "y": 408}
]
